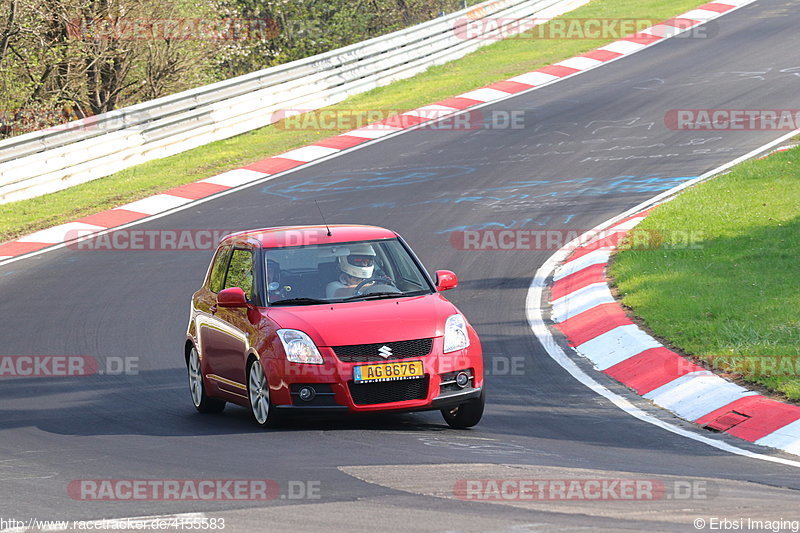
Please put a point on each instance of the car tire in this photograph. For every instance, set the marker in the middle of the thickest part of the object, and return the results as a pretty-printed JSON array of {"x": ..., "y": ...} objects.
[
  {"x": 258, "y": 392},
  {"x": 467, "y": 414},
  {"x": 197, "y": 387}
]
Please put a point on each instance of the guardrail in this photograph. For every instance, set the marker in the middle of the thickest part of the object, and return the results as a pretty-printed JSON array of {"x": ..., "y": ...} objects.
[{"x": 46, "y": 161}]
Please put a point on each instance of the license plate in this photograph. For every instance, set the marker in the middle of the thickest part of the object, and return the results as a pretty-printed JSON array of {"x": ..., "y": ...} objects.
[{"x": 388, "y": 372}]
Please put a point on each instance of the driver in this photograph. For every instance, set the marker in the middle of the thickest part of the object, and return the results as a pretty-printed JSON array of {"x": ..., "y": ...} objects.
[{"x": 357, "y": 266}]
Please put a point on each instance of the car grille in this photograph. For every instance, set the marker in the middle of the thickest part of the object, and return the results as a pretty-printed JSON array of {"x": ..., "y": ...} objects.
[
  {"x": 365, "y": 353},
  {"x": 389, "y": 391}
]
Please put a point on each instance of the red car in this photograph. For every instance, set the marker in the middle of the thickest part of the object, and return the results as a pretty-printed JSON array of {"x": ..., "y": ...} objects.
[{"x": 342, "y": 318}]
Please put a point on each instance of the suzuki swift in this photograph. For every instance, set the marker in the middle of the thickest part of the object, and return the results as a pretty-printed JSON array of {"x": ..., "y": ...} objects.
[{"x": 343, "y": 318}]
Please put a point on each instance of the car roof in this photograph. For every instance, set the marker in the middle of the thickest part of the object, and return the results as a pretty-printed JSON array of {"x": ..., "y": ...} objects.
[{"x": 307, "y": 235}]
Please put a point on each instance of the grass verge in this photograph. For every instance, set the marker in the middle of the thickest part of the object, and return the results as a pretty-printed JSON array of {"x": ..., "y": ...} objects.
[
  {"x": 492, "y": 63},
  {"x": 731, "y": 298}
]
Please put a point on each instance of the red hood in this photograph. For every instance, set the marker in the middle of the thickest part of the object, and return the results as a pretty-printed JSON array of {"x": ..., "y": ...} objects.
[{"x": 368, "y": 322}]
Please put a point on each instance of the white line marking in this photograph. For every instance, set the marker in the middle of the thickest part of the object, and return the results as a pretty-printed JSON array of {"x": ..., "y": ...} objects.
[{"x": 629, "y": 224}]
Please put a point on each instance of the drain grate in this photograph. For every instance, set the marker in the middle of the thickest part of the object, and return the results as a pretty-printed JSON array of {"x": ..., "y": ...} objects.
[{"x": 726, "y": 421}]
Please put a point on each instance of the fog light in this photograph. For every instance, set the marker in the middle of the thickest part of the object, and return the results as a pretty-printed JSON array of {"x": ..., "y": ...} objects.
[
  {"x": 462, "y": 379},
  {"x": 307, "y": 393}
]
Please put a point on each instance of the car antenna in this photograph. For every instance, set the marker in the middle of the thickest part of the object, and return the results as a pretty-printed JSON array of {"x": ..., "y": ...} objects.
[{"x": 323, "y": 219}]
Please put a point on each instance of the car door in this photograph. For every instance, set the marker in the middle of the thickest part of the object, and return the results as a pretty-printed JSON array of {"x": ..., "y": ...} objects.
[
  {"x": 217, "y": 337},
  {"x": 232, "y": 341},
  {"x": 206, "y": 324}
]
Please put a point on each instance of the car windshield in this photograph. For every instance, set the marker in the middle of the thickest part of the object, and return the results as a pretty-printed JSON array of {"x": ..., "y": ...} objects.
[{"x": 325, "y": 273}]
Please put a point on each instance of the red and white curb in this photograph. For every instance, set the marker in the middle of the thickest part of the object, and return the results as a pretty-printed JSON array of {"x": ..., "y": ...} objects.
[
  {"x": 781, "y": 149},
  {"x": 597, "y": 328},
  {"x": 182, "y": 197}
]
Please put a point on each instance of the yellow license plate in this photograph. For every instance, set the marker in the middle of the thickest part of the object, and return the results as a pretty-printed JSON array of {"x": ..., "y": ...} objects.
[{"x": 388, "y": 371}]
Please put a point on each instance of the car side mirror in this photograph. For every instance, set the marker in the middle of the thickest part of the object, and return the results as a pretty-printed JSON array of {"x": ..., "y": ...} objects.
[
  {"x": 446, "y": 280},
  {"x": 232, "y": 297}
]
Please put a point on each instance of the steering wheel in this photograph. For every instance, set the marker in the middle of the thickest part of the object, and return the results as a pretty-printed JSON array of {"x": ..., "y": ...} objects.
[{"x": 384, "y": 280}]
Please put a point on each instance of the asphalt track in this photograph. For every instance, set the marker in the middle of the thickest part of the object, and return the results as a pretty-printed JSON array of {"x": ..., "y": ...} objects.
[{"x": 593, "y": 146}]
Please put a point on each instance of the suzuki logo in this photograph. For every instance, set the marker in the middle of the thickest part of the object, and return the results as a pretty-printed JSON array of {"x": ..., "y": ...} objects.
[{"x": 385, "y": 352}]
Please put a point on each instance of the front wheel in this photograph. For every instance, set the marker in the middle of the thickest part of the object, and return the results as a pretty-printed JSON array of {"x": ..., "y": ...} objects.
[
  {"x": 258, "y": 391},
  {"x": 201, "y": 401},
  {"x": 467, "y": 414}
]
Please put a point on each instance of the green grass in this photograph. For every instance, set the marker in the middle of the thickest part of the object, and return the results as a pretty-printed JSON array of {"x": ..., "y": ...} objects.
[
  {"x": 737, "y": 292},
  {"x": 495, "y": 62}
]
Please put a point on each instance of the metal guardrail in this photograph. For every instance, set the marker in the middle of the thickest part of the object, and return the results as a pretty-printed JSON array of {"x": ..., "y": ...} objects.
[{"x": 46, "y": 161}]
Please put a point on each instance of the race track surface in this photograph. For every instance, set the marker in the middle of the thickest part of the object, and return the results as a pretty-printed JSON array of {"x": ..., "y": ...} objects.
[{"x": 593, "y": 146}]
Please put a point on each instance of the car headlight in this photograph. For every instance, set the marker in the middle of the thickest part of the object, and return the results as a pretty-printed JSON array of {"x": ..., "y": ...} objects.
[
  {"x": 299, "y": 347},
  {"x": 455, "y": 334}
]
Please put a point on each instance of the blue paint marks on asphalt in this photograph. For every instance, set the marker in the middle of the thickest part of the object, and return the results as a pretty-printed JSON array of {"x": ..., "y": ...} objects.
[
  {"x": 365, "y": 180},
  {"x": 599, "y": 187},
  {"x": 617, "y": 184},
  {"x": 542, "y": 221},
  {"x": 376, "y": 205}
]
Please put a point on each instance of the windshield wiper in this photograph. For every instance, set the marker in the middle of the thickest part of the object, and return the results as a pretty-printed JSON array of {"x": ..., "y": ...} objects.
[
  {"x": 300, "y": 301},
  {"x": 381, "y": 295}
]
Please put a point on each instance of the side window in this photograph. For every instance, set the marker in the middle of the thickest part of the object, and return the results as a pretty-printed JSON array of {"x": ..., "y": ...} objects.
[
  {"x": 219, "y": 268},
  {"x": 240, "y": 272}
]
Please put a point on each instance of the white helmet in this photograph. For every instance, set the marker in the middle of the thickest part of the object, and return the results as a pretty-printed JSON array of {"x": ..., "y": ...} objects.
[{"x": 360, "y": 262}]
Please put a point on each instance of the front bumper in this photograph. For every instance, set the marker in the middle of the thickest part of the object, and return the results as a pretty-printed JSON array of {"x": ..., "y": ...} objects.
[
  {"x": 443, "y": 401},
  {"x": 335, "y": 376},
  {"x": 454, "y": 399}
]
